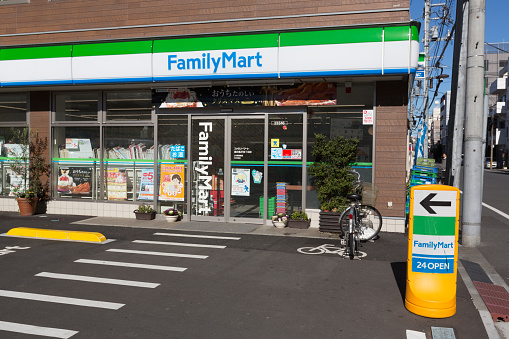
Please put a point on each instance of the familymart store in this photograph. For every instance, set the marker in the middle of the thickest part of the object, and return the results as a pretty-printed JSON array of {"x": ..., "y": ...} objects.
[{"x": 220, "y": 127}]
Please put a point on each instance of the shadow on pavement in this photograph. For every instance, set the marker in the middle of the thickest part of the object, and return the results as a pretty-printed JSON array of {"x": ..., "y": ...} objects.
[{"x": 399, "y": 271}]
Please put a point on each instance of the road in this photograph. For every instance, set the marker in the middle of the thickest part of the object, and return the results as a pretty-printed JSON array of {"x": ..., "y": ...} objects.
[{"x": 241, "y": 286}]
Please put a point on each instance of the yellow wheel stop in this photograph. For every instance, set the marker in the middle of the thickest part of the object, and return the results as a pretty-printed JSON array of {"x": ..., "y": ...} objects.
[{"x": 57, "y": 234}]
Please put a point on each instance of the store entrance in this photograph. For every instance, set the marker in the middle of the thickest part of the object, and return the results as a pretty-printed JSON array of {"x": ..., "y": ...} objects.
[{"x": 228, "y": 167}]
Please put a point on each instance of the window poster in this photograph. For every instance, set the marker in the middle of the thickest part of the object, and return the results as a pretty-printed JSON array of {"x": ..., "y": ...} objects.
[
  {"x": 241, "y": 184},
  {"x": 75, "y": 180},
  {"x": 281, "y": 197},
  {"x": 146, "y": 191},
  {"x": 15, "y": 180},
  {"x": 116, "y": 181},
  {"x": 172, "y": 183}
]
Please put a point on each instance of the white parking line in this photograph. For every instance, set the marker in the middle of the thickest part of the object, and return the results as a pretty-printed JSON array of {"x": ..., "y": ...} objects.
[
  {"x": 97, "y": 280},
  {"x": 133, "y": 265},
  {"x": 164, "y": 254},
  {"x": 177, "y": 244},
  {"x": 197, "y": 236},
  {"x": 495, "y": 210},
  {"x": 60, "y": 300},
  {"x": 36, "y": 330}
]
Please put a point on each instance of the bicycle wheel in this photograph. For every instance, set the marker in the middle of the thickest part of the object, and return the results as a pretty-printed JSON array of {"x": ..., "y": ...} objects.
[
  {"x": 343, "y": 221},
  {"x": 351, "y": 245},
  {"x": 370, "y": 222},
  {"x": 311, "y": 250}
]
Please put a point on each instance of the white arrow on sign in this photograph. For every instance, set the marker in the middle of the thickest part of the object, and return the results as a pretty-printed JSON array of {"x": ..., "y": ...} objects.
[{"x": 435, "y": 203}]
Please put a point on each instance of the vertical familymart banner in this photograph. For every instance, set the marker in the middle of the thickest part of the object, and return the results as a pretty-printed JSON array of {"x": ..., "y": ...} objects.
[{"x": 433, "y": 227}]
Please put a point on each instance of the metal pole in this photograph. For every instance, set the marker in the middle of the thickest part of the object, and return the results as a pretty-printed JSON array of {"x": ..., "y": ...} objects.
[
  {"x": 472, "y": 199},
  {"x": 457, "y": 116},
  {"x": 427, "y": 12}
]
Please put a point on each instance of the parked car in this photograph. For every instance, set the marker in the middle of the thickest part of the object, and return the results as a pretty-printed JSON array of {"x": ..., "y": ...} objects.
[{"x": 490, "y": 164}]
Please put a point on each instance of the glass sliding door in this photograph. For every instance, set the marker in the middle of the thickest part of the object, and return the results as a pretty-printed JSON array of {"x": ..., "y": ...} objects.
[
  {"x": 208, "y": 168},
  {"x": 246, "y": 172}
]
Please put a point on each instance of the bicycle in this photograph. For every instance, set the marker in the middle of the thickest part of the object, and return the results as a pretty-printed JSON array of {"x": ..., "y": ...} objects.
[{"x": 359, "y": 222}]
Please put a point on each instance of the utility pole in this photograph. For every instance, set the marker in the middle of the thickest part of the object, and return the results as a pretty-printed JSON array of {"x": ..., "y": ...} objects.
[
  {"x": 472, "y": 196},
  {"x": 427, "y": 12},
  {"x": 458, "y": 86}
]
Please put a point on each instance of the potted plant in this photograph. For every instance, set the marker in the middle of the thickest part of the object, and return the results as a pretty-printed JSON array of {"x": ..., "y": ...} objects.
[
  {"x": 29, "y": 165},
  {"x": 280, "y": 220},
  {"x": 299, "y": 219},
  {"x": 333, "y": 158},
  {"x": 172, "y": 214},
  {"x": 145, "y": 212}
]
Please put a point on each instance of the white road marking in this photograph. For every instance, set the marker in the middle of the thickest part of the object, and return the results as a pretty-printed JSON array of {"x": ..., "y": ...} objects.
[
  {"x": 97, "y": 280},
  {"x": 133, "y": 265},
  {"x": 164, "y": 254},
  {"x": 415, "y": 335},
  {"x": 176, "y": 244},
  {"x": 60, "y": 300},
  {"x": 495, "y": 210},
  {"x": 36, "y": 330},
  {"x": 197, "y": 236}
]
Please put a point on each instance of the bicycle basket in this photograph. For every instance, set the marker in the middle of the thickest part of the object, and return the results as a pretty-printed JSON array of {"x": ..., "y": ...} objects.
[{"x": 369, "y": 194}]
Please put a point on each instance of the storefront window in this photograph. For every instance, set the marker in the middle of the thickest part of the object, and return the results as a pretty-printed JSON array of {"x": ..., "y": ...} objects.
[
  {"x": 285, "y": 163},
  {"x": 127, "y": 151},
  {"x": 8, "y": 147},
  {"x": 130, "y": 105},
  {"x": 347, "y": 122},
  {"x": 172, "y": 154},
  {"x": 77, "y": 106},
  {"x": 75, "y": 159},
  {"x": 13, "y": 107}
]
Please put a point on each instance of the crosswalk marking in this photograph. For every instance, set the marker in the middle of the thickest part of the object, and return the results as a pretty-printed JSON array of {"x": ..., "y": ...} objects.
[
  {"x": 133, "y": 265},
  {"x": 60, "y": 300},
  {"x": 177, "y": 244},
  {"x": 36, "y": 330},
  {"x": 197, "y": 236},
  {"x": 164, "y": 254},
  {"x": 97, "y": 280}
]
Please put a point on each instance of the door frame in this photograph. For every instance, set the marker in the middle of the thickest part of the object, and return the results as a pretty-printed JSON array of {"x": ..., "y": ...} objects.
[{"x": 227, "y": 167}]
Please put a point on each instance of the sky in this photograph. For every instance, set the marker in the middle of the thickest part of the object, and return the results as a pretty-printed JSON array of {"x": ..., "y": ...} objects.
[{"x": 496, "y": 30}]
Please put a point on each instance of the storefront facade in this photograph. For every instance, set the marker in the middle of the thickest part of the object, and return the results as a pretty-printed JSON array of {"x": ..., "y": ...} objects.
[{"x": 219, "y": 126}]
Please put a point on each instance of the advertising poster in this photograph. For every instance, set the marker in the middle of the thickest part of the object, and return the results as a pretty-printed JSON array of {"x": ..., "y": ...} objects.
[
  {"x": 172, "y": 183},
  {"x": 241, "y": 182},
  {"x": 75, "y": 180},
  {"x": 146, "y": 185},
  {"x": 117, "y": 184}
]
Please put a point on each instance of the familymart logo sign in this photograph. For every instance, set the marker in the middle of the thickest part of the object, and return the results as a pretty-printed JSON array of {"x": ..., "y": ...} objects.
[{"x": 242, "y": 61}]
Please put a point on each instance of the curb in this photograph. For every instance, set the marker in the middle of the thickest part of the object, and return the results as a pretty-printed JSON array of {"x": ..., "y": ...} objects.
[{"x": 56, "y": 234}]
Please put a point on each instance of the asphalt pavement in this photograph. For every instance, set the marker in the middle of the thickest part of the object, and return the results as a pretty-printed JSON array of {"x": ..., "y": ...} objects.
[{"x": 254, "y": 281}]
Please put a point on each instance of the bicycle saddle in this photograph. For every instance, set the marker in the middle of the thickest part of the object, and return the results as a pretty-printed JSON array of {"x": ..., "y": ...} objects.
[{"x": 354, "y": 197}]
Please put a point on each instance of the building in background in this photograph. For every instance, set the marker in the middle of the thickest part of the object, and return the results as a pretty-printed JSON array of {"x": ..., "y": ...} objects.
[
  {"x": 210, "y": 107},
  {"x": 436, "y": 144},
  {"x": 496, "y": 64}
]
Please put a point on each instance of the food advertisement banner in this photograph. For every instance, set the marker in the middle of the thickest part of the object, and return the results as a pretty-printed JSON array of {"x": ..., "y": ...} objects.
[
  {"x": 241, "y": 182},
  {"x": 172, "y": 183},
  {"x": 116, "y": 182},
  {"x": 306, "y": 94},
  {"x": 146, "y": 191},
  {"x": 75, "y": 181}
]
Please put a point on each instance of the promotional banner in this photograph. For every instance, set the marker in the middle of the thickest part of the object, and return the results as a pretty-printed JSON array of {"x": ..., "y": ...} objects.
[
  {"x": 75, "y": 180},
  {"x": 241, "y": 182},
  {"x": 146, "y": 190},
  {"x": 172, "y": 183},
  {"x": 116, "y": 182}
]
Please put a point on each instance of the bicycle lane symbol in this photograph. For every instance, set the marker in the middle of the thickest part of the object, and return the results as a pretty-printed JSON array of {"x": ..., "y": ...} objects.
[{"x": 328, "y": 249}]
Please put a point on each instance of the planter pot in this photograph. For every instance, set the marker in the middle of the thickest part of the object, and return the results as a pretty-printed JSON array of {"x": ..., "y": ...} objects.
[
  {"x": 279, "y": 224},
  {"x": 27, "y": 206},
  {"x": 329, "y": 222},
  {"x": 145, "y": 216},
  {"x": 171, "y": 218},
  {"x": 299, "y": 223}
]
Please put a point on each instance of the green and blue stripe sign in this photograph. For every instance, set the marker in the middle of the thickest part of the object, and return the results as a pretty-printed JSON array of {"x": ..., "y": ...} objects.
[
  {"x": 334, "y": 52},
  {"x": 433, "y": 242}
]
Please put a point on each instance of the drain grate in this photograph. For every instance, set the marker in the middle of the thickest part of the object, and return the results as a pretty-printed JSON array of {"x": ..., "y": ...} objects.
[{"x": 496, "y": 300}]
